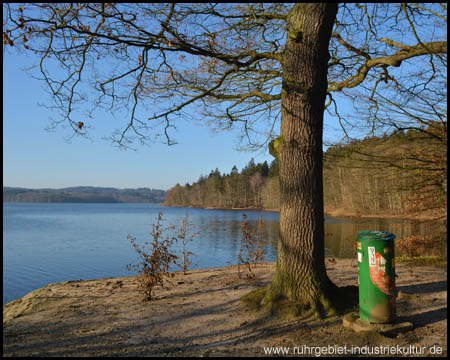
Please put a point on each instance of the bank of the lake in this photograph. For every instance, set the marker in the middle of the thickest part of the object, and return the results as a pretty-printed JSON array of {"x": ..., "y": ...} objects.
[
  {"x": 201, "y": 315},
  {"x": 330, "y": 213}
]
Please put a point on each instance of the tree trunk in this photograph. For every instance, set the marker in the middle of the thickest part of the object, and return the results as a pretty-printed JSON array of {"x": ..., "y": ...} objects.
[{"x": 300, "y": 273}]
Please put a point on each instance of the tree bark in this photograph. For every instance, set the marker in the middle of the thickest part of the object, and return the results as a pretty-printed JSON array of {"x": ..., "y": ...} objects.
[{"x": 300, "y": 273}]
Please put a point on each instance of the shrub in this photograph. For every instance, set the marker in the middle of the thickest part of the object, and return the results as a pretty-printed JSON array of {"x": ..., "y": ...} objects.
[
  {"x": 414, "y": 247},
  {"x": 156, "y": 259},
  {"x": 252, "y": 247},
  {"x": 185, "y": 234}
]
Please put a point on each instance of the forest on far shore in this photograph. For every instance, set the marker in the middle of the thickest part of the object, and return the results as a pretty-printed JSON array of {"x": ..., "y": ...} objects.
[{"x": 404, "y": 175}]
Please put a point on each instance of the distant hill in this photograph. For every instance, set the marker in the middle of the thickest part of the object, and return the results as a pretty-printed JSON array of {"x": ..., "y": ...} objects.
[{"x": 83, "y": 194}]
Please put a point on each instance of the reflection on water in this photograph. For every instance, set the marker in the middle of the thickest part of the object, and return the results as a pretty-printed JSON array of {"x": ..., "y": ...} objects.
[{"x": 340, "y": 237}]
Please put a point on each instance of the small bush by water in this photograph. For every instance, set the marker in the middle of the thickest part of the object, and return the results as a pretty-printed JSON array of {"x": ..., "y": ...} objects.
[
  {"x": 252, "y": 248},
  {"x": 157, "y": 255}
]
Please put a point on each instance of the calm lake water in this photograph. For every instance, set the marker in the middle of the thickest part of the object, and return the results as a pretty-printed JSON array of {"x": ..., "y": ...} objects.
[{"x": 46, "y": 243}]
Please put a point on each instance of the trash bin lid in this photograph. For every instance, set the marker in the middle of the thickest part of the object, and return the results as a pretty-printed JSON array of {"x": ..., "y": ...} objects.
[{"x": 375, "y": 235}]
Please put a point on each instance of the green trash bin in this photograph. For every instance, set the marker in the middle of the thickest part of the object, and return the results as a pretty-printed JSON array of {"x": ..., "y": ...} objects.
[{"x": 376, "y": 276}]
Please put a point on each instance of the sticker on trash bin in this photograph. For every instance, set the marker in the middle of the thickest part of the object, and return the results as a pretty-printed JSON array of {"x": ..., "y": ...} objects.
[
  {"x": 379, "y": 277},
  {"x": 359, "y": 257},
  {"x": 371, "y": 250}
]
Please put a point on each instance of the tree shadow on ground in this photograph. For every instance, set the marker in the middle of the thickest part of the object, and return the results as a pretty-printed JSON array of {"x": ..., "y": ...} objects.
[
  {"x": 425, "y": 318},
  {"x": 424, "y": 288}
]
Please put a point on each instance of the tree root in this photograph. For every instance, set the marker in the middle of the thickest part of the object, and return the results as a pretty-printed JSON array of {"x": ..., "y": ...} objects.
[{"x": 335, "y": 301}]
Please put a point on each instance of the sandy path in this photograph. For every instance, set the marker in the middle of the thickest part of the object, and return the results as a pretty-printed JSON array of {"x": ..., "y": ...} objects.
[{"x": 201, "y": 314}]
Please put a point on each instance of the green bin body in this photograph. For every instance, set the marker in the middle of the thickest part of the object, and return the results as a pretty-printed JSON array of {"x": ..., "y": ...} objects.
[{"x": 376, "y": 276}]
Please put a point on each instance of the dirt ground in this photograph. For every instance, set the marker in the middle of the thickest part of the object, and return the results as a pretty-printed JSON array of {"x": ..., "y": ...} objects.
[{"x": 202, "y": 315}]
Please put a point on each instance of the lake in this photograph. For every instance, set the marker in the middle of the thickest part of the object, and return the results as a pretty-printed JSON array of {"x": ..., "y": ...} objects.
[{"x": 52, "y": 242}]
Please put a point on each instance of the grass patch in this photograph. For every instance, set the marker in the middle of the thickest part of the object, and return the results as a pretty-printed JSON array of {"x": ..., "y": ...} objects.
[
  {"x": 438, "y": 261},
  {"x": 254, "y": 298},
  {"x": 279, "y": 306}
]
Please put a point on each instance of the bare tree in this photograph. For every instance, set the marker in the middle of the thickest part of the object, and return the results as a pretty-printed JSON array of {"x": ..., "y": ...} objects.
[
  {"x": 258, "y": 67},
  {"x": 404, "y": 92}
]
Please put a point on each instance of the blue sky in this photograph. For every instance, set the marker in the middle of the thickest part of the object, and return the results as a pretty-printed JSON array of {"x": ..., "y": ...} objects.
[{"x": 36, "y": 158}]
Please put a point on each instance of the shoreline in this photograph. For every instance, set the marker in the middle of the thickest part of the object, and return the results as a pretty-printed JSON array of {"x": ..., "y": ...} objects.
[
  {"x": 201, "y": 314},
  {"x": 337, "y": 214},
  {"x": 422, "y": 260}
]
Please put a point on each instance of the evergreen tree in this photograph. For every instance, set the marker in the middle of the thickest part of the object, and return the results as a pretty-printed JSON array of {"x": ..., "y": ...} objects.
[
  {"x": 265, "y": 169},
  {"x": 274, "y": 170}
]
